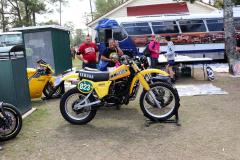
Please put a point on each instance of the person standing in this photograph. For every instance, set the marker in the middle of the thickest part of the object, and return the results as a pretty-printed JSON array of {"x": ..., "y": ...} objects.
[
  {"x": 154, "y": 47},
  {"x": 73, "y": 52},
  {"x": 170, "y": 57},
  {"x": 111, "y": 53},
  {"x": 89, "y": 53},
  {"x": 238, "y": 45}
]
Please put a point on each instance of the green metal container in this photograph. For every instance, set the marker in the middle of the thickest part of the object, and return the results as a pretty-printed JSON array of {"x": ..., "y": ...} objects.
[
  {"x": 14, "y": 87},
  {"x": 50, "y": 43},
  {"x": 186, "y": 72}
]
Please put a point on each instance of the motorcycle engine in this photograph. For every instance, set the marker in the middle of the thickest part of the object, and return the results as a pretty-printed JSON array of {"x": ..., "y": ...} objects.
[{"x": 117, "y": 91}]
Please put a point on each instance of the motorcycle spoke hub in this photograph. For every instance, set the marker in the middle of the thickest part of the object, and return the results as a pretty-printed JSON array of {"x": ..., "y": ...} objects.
[{"x": 9, "y": 123}]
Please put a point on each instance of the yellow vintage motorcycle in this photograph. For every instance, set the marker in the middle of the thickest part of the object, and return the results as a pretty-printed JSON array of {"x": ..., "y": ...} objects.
[
  {"x": 40, "y": 81},
  {"x": 97, "y": 89}
]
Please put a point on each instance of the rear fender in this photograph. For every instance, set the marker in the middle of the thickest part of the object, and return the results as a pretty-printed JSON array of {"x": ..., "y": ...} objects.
[{"x": 70, "y": 76}]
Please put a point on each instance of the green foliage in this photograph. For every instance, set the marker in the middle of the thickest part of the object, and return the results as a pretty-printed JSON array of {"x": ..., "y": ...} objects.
[
  {"x": 191, "y": 1},
  {"x": 86, "y": 17},
  {"x": 50, "y": 22},
  {"x": 22, "y": 12},
  {"x": 217, "y": 3},
  {"x": 79, "y": 37},
  {"x": 103, "y": 6},
  {"x": 237, "y": 2},
  {"x": 70, "y": 25}
]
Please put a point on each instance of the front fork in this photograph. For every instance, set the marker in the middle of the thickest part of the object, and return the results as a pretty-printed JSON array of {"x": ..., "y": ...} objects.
[
  {"x": 1, "y": 110},
  {"x": 146, "y": 87},
  {"x": 3, "y": 118}
]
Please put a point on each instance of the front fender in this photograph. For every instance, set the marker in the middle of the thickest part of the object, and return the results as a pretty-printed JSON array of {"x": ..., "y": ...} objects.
[
  {"x": 146, "y": 72},
  {"x": 74, "y": 75},
  {"x": 153, "y": 71}
]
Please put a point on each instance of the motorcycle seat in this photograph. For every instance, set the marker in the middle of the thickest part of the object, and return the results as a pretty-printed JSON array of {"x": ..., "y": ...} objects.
[
  {"x": 90, "y": 69},
  {"x": 95, "y": 76}
]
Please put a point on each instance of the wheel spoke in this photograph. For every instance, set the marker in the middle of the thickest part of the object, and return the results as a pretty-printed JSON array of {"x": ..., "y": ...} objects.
[
  {"x": 71, "y": 102},
  {"x": 163, "y": 97},
  {"x": 12, "y": 124}
]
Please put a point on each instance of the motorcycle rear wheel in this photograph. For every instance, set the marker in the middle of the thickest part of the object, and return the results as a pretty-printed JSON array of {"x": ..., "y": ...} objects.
[
  {"x": 166, "y": 111},
  {"x": 14, "y": 119},
  {"x": 49, "y": 88},
  {"x": 81, "y": 116}
]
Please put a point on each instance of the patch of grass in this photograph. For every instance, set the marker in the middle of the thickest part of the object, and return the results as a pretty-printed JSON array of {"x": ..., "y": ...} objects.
[
  {"x": 77, "y": 63},
  {"x": 182, "y": 120},
  {"x": 36, "y": 116},
  {"x": 122, "y": 134}
]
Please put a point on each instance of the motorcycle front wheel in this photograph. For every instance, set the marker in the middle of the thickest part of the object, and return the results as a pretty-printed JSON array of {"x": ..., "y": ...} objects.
[
  {"x": 13, "y": 124},
  {"x": 49, "y": 88},
  {"x": 80, "y": 116},
  {"x": 167, "y": 100},
  {"x": 166, "y": 110}
]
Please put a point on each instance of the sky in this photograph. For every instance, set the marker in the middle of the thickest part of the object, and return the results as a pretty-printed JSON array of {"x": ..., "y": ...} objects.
[{"x": 73, "y": 12}]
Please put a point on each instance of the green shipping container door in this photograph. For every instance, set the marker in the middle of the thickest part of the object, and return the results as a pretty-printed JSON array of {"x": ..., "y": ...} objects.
[
  {"x": 61, "y": 51},
  {"x": 14, "y": 87},
  {"x": 50, "y": 43}
]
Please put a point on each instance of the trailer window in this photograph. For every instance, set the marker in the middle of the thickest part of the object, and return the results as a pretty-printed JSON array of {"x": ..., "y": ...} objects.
[
  {"x": 119, "y": 35},
  {"x": 135, "y": 24},
  {"x": 237, "y": 23},
  {"x": 215, "y": 25},
  {"x": 165, "y": 27},
  {"x": 192, "y": 26},
  {"x": 10, "y": 39},
  {"x": 101, "y": 35},
  {"x": 137, "y": 28}
]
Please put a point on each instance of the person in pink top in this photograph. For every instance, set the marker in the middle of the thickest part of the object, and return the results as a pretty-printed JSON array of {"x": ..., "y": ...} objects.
[{"x": 154, "y": 47}]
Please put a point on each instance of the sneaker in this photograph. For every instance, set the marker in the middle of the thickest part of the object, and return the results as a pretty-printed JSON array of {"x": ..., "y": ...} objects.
[{"x": 176, "y": 77}]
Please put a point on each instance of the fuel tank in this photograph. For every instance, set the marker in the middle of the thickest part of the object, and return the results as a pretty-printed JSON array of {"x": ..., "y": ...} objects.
[{"x": 120, "y": 72}]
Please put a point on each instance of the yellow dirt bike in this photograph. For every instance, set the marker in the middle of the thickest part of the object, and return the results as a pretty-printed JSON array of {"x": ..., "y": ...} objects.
[
  {"x": 40, "y": 81},
  {"x": 97, "y": 89}
]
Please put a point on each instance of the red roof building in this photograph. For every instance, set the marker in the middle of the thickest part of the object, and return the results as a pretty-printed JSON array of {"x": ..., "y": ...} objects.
[{"x": 152, "y": 7}]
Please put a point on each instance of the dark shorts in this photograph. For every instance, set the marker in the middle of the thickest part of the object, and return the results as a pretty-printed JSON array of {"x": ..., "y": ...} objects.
[{"x": 171, "y": 63}]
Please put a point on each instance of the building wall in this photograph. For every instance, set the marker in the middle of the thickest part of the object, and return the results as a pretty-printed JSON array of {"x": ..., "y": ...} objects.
[
  {"x": 198, "y": 9},
  {"x": 93, "y": 32},
  {"x": 122, "y": 12}
]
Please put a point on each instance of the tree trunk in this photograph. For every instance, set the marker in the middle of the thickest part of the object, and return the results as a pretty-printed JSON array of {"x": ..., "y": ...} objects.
[
  {"x": 17, "y": 8},
  {"x": 34, "y": 18},
  {"x": 18, "y": 12},
  {"x": 230, "y": 39},
  {"x": 27, "y": 15},
  {"x": 3, "y": 18},
  {"x": 60, "y": 13},
  {"x": 91, "y": 9}
]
